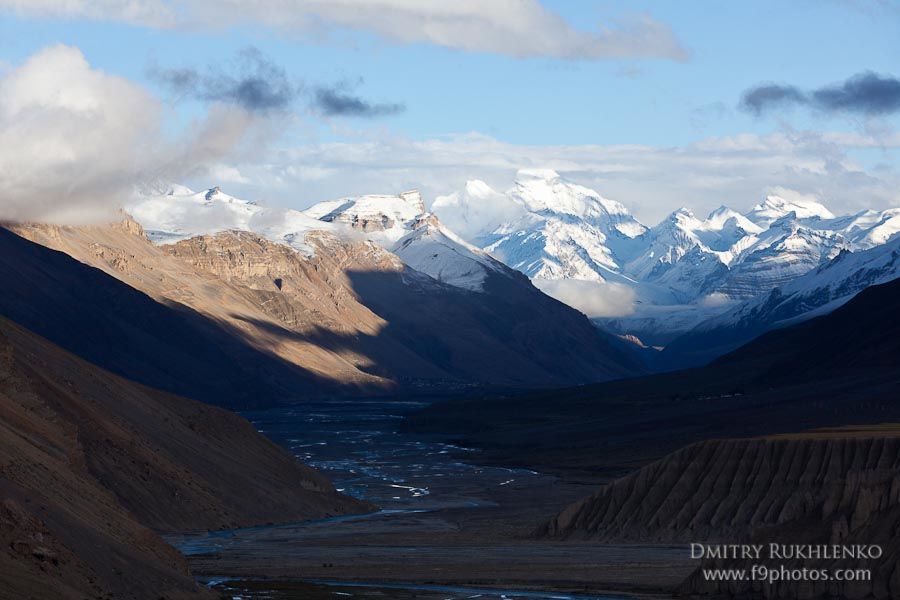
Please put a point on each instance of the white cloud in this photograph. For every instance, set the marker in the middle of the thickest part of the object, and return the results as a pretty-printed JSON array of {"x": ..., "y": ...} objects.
[
  {"x": 70, "y": 137},
  {"x": 75, "y": 140},
  {"x": 716, "y": 300},
  {"x": 595, "y": 299},
  {"x": 518, "y": 28},
  {"x": 152, "y": 13}
]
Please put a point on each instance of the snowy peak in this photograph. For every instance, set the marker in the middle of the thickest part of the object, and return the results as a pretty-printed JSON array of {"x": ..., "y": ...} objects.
[
  {"x": 776, "y": 207},
  {"x": 433, "y": 249},
  {"x": 546, "y": 226},
  {"x": 544, "y": 191},
  {"x": 383, "y": 218},
  {"x": 401, "y": 225},
  {"x": 724, "y": 218},
  {"x": 682, "y": 218}
]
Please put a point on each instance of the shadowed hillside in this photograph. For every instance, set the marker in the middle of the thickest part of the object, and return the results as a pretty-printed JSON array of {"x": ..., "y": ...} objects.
[{"x": 91, "y": 465}]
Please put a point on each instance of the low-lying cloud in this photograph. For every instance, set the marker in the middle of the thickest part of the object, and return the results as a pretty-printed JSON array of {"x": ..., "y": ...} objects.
[
  {"x": 593, "y": 298},
  {"x": 651, "y": 181},
  {"x": 866, "y": 93},
  {"x": 74, "y": 140}
]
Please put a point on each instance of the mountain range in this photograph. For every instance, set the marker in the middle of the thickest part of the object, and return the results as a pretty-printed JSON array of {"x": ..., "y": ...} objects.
[
  {"x": 694, "y": 287},
  {"x": 684, "y": 273}
]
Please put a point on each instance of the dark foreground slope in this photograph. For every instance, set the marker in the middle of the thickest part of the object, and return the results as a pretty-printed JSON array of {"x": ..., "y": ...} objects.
[
  {"x": 91, "y": 465},
  {"x": 840, "y": 369}
]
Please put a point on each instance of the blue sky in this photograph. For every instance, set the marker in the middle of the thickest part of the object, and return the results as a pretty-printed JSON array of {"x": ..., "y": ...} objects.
[{"x": 538, "y": 108}]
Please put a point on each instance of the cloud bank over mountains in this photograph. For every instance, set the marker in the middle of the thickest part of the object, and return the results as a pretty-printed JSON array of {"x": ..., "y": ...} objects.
[{"x": 650, "y": 180}]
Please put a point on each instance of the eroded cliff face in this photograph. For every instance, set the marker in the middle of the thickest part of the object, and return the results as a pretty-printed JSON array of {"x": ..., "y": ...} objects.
[
  {"x": 837, "y": 487},
  {"x": 732, "y": 488}
]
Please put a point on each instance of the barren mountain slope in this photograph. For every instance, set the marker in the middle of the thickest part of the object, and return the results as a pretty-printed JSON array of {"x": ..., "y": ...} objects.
[
  {"x": 89, "y": 461},
  {"x": 233, "y": 286}
]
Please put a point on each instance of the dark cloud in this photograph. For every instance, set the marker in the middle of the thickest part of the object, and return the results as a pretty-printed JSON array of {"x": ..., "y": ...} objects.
[
  {"x": 258, "y": 85},
  {"x": 866, "y": 93},
  {"x": 340, "y": 101},
  {"x": 764, "y": 97},
  {"x": 252, "y": 82}
]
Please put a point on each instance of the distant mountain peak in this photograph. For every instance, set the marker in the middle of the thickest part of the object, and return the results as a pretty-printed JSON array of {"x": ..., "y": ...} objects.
[{"x": 775, "y": 207}]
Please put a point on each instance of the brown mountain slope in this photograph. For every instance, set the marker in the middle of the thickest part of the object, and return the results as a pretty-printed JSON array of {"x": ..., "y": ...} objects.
[
  {"x": 231, "y": 312},
  {"x": 92, "y": 464},
  {"x": 352, "y": 315}
]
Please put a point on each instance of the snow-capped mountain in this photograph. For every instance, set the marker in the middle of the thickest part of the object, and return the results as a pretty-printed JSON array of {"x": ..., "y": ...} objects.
[
  {"x": 382, "y": 218},
  {"x": 776, "y": 207},
  {"x": 557, "y": 229},
  {"x": 683, "y": 270},
  {"x": 401, "y": 225},
  {"x": 433, "y": 249},
  {"x": 816, "y": 292},
  {"x": 787, "y": 249},
  {"x": 398, "y": 223}
]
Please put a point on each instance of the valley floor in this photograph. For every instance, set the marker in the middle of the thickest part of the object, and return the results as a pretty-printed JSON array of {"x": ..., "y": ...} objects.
[{"x": 444, "y": 520}]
